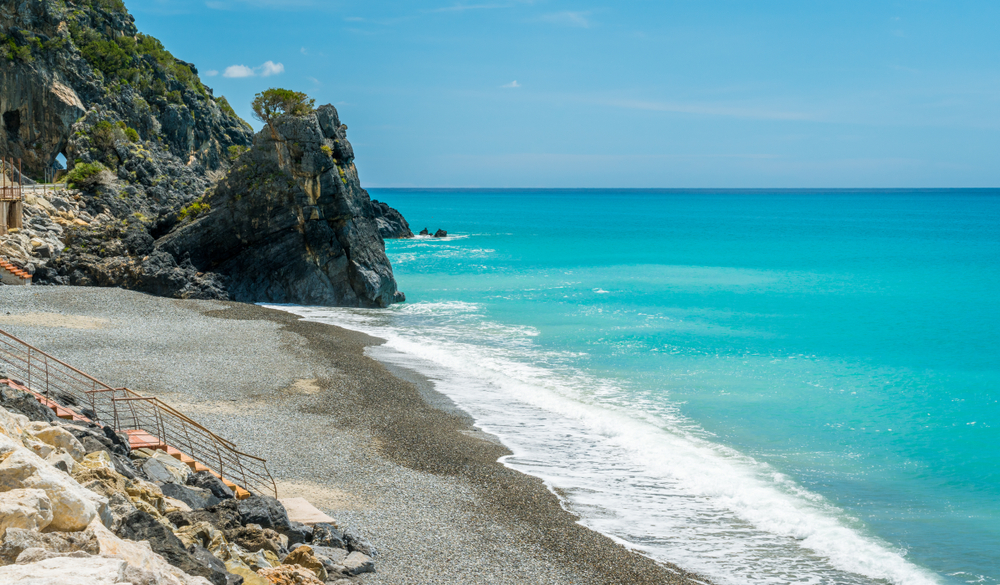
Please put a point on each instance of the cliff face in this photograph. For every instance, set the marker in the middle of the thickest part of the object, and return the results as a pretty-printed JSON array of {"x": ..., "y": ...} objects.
[
  {"x": 65, "y": 67},
  {"x": 391, "y": 224},
  {"x": 290, "y": 223}
]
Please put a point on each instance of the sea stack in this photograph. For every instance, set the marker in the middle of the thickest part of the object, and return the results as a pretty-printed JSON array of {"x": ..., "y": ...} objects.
[{"x": 290, "y": 223}]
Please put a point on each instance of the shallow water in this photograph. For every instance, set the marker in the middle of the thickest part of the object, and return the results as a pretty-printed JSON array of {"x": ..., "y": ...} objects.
[{"x": 761, "y": 387}]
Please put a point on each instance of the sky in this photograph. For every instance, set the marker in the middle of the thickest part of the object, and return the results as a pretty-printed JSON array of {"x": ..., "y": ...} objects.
[{"x": 646, "y": 94}]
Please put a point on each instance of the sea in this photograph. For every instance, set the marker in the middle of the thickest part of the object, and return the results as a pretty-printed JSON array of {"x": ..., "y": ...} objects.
[{"x": 759, "y": 386}]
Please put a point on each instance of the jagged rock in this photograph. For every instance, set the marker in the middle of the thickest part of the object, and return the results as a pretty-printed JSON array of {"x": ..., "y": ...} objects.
[
  {"x": 359, "y": 544},
  {"x": 67, "y": 570},
  {"x": 290, "y": 575},
  {"x": 206, "y": 558},
  {"x": 390, "y": 223},
  {"x": 333, "y": 555},
  {"x": 291, "y": 223},
  {"x": 357, "y": 563},
  {"x": 425, "y": 232},
  {"x": 140, "y": 556},
  {"x": 17, "y": 540},
  {"x": 142, "y": 526},
  {"x": 440, "y": 234},
  {"x": 58, "y": 437},
  {"x": 202, "y": 534},
  {"x": 205, "y": 479},
  {"x": 265, "y": 511},
  {"x": 15, "y": 400},
  {"x": 164, "y": 468},
  {"x": 27, "y": 509},
  {"x": 254, "y": 538},
  {"x": 250, "y": 577},
  {"x": 303, "y": 556},
  {"x": 299, "y": 533},
  {"x": 224, "y": 516},
  {"x": 328, "y": 535},
  {"x": 73, "y": 507},
  {"x": 195, "y": 498}
]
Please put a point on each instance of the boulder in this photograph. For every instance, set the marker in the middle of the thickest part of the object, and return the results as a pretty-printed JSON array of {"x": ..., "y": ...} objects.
[
  {"x": 264, "y": 511},
  {"x": 357, "y": 563},
  {"x": 26, "y": 509},
  {"x": 20, "y": 402},
  {"x": 425, "y": 232},
  {"x": 73, "y": 507},
  {"x": 250, "y": 577},
  {"x": 224, "y": 516},
  {"x": 440, "y": 234},
  {"x": 206, "y": 558},
  {"x": 359, "y": 544},
  {"x": 142, "y": 526},
  {"x": 202, "y": 534},
  {"x": 290, "y": 575},
  {"x": 67, "y": 571},
  {"x": 164, "y": 468},
  {"x": 62, "y": 461},
  {"x": 303, "y": 556},
  {"x": 139, "y": 555},
  {"x": 333, "y": 555},
  {"x": 205, "y": 479},
  {"x": 299, "y": 533},
  {"x": 58, "y": 437},
  {"x": 195, "y": 498},
  {"x": 328, "y": 535},
  {"x": 18, "y": 540},
  {"x": 254, "y": 538}
]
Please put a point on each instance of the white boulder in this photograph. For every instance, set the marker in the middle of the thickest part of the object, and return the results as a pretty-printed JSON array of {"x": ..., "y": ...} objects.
[
  {"x": 59, "y": 438},
  {"x": 69, "y": 570},
  {"x": 73, "y": 506},
  {"x": 30, "y": 509}
]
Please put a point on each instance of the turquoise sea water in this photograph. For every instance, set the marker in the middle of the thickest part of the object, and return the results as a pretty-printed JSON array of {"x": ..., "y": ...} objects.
[{"x": 759, "y": 386}]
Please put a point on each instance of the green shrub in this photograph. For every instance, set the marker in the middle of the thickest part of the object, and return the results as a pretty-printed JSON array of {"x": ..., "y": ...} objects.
[
  {"x": 236, "y": 151},
  {"x": 193, "y": 210},
  {"x": 84, "y": 174},
  {"x": 327, "y": 150}
]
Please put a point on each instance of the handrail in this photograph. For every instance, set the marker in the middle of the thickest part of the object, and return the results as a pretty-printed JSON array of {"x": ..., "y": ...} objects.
[{"x": 62, "y": 383}]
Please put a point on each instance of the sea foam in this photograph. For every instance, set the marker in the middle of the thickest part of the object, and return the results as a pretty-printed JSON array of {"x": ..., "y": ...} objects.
[{"x": 636, "y": 471}]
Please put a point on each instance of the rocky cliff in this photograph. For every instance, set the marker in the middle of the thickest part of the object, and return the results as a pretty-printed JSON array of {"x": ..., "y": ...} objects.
[
  {"x": 290, "y": 223},
  {"x": 391, "y": 224}
]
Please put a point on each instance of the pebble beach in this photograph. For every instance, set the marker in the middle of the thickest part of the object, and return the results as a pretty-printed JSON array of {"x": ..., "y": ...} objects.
[{"x": 375, "y": 448}]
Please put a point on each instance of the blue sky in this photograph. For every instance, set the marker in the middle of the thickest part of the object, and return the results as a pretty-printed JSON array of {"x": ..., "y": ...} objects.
[{"x": 553, "y": 93}]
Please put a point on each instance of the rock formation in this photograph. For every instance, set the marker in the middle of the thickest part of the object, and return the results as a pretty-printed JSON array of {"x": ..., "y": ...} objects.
[
  {"x": 88, "y": 523},
  {"x": 391, "y": 224},
  {"x": 290, "y": 223}
]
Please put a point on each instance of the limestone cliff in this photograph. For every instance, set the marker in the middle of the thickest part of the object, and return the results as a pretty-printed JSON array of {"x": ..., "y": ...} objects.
[{"x": 290, "y": 223}]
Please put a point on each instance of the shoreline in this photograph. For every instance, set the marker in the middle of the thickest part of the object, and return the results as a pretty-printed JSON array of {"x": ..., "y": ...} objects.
[{"x": 372, "y": 444}]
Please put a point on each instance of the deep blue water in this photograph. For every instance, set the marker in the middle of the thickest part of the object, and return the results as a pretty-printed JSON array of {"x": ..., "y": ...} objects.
[{"x": 761, "y": 386}]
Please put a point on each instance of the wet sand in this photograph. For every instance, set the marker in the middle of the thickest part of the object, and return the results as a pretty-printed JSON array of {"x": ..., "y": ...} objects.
[{"x": 373, "y": 446}]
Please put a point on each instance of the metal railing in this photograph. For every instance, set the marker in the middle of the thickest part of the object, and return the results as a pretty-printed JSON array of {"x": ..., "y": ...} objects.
[
  {"x": 11, "y": 180},
  {"x": 125, "y": 410}
]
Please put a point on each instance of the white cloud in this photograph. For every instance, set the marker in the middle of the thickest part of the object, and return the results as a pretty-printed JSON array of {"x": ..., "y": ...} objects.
[
  {"x": 271, "y": 68},
  {"x": 512, "y": 84},
  {"x": 266, "y": 70},
  {"x": 237, "y": 71},
  {"x": 211, "y": 73},
  {"x": 304, "y": 51}
]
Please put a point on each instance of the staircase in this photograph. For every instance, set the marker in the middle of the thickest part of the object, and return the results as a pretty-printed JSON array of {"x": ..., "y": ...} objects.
[
  {"x": 147, "y": 422},
  {"x": 10, "y": 274}
]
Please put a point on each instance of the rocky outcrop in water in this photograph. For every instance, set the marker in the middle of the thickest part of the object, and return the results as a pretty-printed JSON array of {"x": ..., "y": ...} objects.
[
  {"x": 290, "y": 223},
  {"x": 391, "y": 224}
]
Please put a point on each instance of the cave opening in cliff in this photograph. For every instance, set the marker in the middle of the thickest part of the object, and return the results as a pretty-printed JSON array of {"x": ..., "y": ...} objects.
[{"x": 12, "y": 122}]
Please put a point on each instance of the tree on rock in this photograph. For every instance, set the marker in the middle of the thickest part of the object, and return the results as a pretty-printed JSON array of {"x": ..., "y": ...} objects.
[{"x": 270, "y": 105}]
